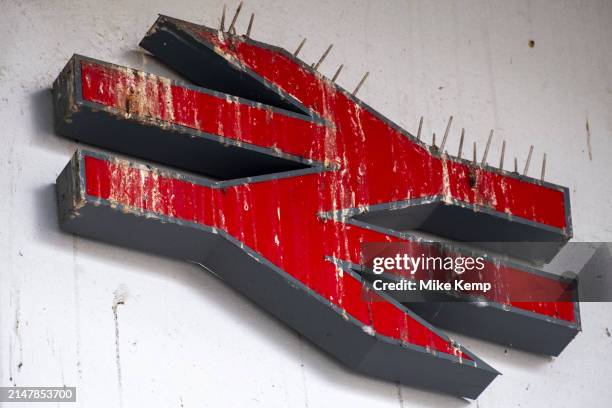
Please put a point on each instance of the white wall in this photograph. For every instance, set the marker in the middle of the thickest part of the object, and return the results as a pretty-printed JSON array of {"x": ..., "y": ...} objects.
[{"x": 182, "y": 338}]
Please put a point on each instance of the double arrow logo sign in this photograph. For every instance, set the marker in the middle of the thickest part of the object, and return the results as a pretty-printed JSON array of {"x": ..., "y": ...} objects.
[{"x": 272, "y": 176}]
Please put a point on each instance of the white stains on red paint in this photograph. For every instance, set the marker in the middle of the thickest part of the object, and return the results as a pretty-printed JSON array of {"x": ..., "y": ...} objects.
[
  {"x": 446, "y": 190},
  {"x": 375, "y": 164},
  {"x": 134, "y": 93},
  {"x": 369, "y": 330}
]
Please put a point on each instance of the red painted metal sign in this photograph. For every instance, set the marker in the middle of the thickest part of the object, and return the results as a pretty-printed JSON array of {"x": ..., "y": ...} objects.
[{"x": 298, "y": 165}]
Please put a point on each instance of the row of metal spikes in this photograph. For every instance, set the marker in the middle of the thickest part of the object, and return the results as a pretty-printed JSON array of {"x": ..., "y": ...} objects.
[
  {"x": 232, "y": 31},
  {"x": 483, "y": 162}
]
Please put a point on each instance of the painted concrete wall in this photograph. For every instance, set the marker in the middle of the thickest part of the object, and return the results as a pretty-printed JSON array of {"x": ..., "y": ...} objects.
[{"x": 131, "y": 329}]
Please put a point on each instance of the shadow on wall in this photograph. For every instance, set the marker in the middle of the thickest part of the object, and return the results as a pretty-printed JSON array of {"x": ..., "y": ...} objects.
[{"x": 41, "y": 103}]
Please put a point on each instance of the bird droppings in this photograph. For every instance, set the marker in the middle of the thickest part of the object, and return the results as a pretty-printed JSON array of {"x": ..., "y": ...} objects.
[{"x": 531, "y": 43}]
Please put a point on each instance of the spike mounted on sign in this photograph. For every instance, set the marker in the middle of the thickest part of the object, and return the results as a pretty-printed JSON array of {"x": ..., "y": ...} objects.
[{"x": 277, "y": 176}]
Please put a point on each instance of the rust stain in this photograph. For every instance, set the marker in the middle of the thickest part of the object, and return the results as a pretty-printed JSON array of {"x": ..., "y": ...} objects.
[
  {"x": 119, "y": 298},
  {"x": 588, "y": 140}
]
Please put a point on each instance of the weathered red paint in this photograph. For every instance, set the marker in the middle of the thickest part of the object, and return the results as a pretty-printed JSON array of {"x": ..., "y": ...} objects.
[{"x": 368, "y": 162}]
